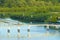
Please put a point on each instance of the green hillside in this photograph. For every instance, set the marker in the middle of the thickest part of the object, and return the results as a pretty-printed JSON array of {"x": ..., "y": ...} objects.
[{"x": 41, "y": 10}]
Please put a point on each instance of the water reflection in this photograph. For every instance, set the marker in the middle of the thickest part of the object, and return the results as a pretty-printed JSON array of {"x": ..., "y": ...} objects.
[{"x": 26, "y": 32}]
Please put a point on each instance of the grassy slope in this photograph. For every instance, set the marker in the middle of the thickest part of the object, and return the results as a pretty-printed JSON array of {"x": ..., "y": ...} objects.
[{"x": 41, "y": 11}]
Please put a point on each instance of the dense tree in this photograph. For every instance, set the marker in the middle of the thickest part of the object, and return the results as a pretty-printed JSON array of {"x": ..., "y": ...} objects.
[{"x": 40, "y": 9}]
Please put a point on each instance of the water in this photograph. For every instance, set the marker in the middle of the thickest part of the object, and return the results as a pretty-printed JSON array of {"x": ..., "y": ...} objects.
[{"x": 35, "y": 33}]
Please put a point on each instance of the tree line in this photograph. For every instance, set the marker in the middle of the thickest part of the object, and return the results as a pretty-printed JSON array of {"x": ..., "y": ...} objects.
[{"x": 42, "y": 10}]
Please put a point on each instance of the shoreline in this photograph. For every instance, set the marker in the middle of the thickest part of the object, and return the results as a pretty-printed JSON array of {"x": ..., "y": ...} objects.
[{"x": 32, "y": 22}]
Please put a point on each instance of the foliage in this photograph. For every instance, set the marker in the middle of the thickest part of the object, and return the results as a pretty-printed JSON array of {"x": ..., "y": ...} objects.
[{"x": 42, "y": 10}]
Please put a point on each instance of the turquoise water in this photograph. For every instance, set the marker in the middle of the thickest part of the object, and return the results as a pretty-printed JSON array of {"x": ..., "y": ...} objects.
[{"x": 36, "y": 32}]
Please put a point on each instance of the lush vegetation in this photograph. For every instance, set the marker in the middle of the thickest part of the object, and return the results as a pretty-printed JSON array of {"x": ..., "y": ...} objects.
[{"x": 31, "y": 10}]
